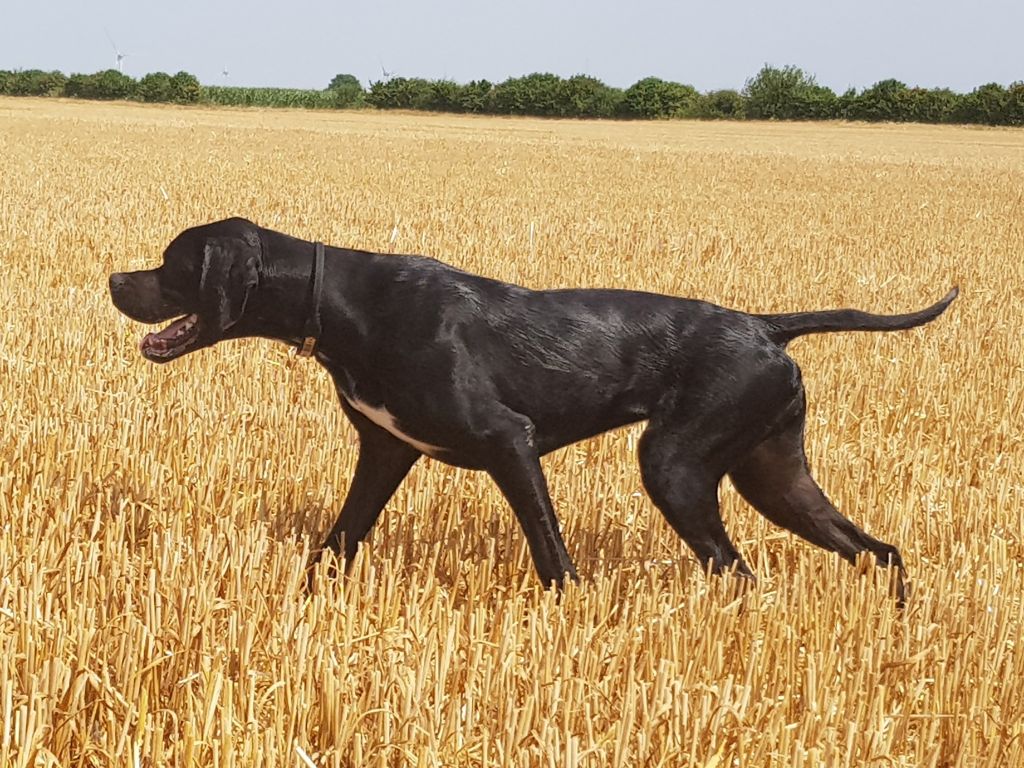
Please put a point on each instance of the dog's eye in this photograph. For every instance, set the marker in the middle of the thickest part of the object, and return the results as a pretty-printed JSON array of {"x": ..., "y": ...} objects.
[
  {"x": 177, "y": 284},
  {"x": 180, "y": 276}
]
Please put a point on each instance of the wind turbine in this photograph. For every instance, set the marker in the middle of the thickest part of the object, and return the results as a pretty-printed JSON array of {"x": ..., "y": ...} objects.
[
  {"x": 118, "y": 56},
  {"x": 225, "y": 72},
  {"x": 387, "y": 75}
]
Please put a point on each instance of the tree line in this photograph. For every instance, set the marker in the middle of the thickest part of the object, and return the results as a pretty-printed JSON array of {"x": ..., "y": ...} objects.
[{"x": 774, "y": 93}]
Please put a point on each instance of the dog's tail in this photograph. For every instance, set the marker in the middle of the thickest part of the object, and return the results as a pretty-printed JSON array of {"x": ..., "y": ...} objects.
[{"x": 786, "y": 327}]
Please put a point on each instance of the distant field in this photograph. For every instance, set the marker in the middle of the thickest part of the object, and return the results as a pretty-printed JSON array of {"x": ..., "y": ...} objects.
[{"x": 154, "y": 521}]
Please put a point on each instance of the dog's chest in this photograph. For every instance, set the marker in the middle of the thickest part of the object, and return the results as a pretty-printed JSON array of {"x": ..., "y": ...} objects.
[
  {"x": 379, "y": 415},
  {"x": 383, "y": 418}
]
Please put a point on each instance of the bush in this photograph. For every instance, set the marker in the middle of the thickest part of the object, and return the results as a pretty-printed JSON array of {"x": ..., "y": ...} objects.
[
  {"x": 986, "y": 104},
  {"x": 820, "y": 103},
  {"x": 344, "y": 81},
  {"x": 788, "y": 94},
  {"x": 106, "y": 85},
  {"x": 887, "y": 100},
  {"x": 185, "y": 88},
  {"x": 475, "y": 96},
  {"x": 934, "y": 105},
  {"x": 1015, "y": 104},
  {"x": 111, "y": 84},
  {"x": 655, "y": 98},
  {"x": 537, "y": 94},
  {"x": 345, "y": 98},
  {"x": 584, "y": 96},
  {"x": 77, "y": 85},
  {"x": 444, "y": 96},
  {"x": 32, "y": 82},
  {"x": 346, "y": 91},
  {"x": 449, "y": 96},
  {"x": 891, "y": 100},
  {"x": 401, "y": 93},
  {"x": 721, "y": 105},
  {"x": 154, "y": 87},
  {"x": 843, "y": 105}
]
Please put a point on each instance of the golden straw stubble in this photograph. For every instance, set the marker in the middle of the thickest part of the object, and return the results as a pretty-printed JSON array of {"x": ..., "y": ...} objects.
[{"x": 154, "y": 521}]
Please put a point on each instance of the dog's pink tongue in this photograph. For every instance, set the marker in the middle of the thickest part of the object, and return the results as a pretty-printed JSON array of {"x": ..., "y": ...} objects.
[
  {"x": 176, "y": 328},
  {"x": 162, "y": 338}
]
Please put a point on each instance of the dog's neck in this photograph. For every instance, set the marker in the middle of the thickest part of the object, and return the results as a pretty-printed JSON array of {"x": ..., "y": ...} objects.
[
  {"x": 283, "y": 302},
  {"x": 312, "y": 329}
]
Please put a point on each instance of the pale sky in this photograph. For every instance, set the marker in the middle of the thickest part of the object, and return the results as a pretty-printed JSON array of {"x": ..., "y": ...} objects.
[{"x": 303, "y": 43}]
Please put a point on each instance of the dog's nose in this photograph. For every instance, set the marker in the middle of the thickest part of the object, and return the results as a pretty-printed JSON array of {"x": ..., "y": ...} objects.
[{"x": 117, "y": 281}]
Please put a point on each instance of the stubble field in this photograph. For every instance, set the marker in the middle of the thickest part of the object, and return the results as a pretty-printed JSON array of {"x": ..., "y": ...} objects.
[{"x": 155, "y": 521}]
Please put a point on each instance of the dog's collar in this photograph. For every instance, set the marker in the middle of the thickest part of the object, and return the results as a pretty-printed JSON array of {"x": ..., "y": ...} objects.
[{"x": 311, "y": 333}]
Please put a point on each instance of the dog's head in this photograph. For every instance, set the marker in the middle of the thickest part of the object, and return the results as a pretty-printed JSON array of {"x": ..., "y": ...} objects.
[{"x": 207, "y": 277}]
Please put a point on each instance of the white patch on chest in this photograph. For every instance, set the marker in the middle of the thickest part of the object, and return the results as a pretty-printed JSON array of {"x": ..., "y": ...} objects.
[{"x": 382, "y": 418}]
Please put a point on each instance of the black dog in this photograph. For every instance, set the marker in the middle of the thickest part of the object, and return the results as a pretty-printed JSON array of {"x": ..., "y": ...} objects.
[{"x": 487, "y": 375}]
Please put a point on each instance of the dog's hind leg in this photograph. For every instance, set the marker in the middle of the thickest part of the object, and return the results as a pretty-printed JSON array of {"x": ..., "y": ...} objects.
[
  {"x": 383, "y": 462},
  {"x": 701, "y": 430},
  {"x": 685, "y": 488},
  {"x": 775, "y": 479}
]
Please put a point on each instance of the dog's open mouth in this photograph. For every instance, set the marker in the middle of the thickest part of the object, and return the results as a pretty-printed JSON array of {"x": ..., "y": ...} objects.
[{"x": 172, "y": 341}]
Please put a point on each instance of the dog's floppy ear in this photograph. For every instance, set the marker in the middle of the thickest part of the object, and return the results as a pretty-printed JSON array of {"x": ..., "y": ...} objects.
[{"x": 230, "y": 272}]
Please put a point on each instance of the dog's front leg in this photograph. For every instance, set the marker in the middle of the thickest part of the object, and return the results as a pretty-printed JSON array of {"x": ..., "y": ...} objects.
[
  {"x": 516, "y": 470},
  {"x": 383, "y": 463}
]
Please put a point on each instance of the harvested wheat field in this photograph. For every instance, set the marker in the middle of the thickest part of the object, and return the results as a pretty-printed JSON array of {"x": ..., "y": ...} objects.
[{"x": 155, "y": 520}]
